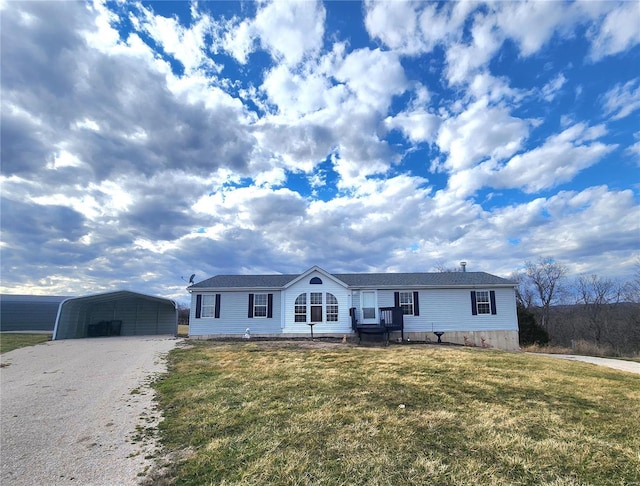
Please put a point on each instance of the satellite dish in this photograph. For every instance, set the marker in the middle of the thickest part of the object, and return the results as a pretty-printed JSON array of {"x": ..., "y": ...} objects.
[{"x": 191, "y": 278}]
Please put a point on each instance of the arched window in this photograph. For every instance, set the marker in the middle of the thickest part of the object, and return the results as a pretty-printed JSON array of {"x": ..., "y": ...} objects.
[
  {"x": 332, "y": 308},
  {"x": 315, "y": 281},
  {"x": 300, "y": 309}
]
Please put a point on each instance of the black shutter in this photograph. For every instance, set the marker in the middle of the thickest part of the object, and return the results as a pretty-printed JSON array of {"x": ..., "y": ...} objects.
[
  {"x": 217, "y": 308},
  {"x": 416, "y": 304},
  {"x": 198, "y": 306},
  {"x": 474, "y": 307},
  {"x": 396, "y": 299},
  {"x": 269, "y": 305},
  {"x": 250, "y": 315},
  {"x": 492, "y": 297}
]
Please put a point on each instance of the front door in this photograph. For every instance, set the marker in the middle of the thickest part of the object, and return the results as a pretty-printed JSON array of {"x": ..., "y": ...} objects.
[{"x": 369, "y": 301}]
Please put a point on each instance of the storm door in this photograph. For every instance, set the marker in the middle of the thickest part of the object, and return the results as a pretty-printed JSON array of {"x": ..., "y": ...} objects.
[{"x": 369, "y": 301}]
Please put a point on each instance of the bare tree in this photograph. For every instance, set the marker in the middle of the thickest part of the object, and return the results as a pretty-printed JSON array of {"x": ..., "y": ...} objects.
[
  {"x": 546, "y": 275},
  {"x": 441, "y": 267},
  {"x": 525, "y": 294},
  {"x": 598, "y": 296},
  {"x": 632, "y": 288},
  {"x": 183, "y": 314}
]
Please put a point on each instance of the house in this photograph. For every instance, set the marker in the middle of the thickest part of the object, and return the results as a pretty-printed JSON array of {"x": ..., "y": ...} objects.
[{"x": 473, "y": 308}]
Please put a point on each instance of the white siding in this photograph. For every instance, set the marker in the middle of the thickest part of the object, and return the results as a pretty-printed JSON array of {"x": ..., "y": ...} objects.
[
  {"x": 342, "y": 326},
  {"x": 450, "y": 310},
  {"x": 444, "y": 310},
  {"x": 234, "y": 315}
]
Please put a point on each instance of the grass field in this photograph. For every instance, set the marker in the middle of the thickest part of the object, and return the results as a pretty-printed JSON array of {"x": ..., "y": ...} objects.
[
  {"x": 313, "y": 413},
  {"x": 11, "y": 341},
  {"x": 183, "y": 331}
]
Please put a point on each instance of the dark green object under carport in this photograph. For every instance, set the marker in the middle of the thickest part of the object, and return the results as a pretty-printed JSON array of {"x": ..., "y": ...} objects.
[{"x": 120, "y": 313}]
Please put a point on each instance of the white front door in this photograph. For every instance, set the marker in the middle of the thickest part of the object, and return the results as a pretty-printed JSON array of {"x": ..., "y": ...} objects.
[{"x": 369, "y": 304}]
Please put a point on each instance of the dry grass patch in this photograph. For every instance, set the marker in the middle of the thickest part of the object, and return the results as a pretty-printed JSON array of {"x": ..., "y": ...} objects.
[
  {"x": 11, "y": 341},
  {"x": 265, "y": 413}
]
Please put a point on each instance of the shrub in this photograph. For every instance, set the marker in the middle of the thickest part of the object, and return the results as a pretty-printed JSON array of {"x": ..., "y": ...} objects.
[{"x": 530, "y": 331}]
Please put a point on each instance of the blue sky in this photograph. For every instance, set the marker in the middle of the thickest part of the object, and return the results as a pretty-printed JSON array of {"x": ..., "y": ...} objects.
[{"x": 144, "y": 142}]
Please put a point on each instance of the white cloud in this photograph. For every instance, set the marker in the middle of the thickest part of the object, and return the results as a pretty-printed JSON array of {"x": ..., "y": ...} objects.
[
  {"x": 495, "y": 89},
  {"x": 395, "y": 24},
  {"x": 295, "y": 94},
  {"x": 414, "y": 28},
  {"x": 239, "y": 40},
  {"x": 532, "y": 23},
  {"x": 464, "y": 60},
  {"x": 550, "y": 90},
  {"x": 94, "y": 125},
  {"x": 374, "y": 76},
  {"x": 418, "y": 126},
  {"x": 479, "y": 132},
  {"x": 556, "y": 161},
  {"x": 291, "y": 30},
  {"x": 618, "y": 31},
  {"x": 186, "y": 45},
  {"x": 622, "y": 100},
  {"x": 634, "y": 150}
]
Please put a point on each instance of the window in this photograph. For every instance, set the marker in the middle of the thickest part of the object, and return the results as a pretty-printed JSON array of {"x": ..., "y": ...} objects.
[
  {"x": 208, "y": 306},
  {"x": 332, "y": 308},
  {"x": 316, "y": 306},
  {"x": 316, "y": 281},
  {"x": 300, "y": 308},
  {"x": 482, "y": 301},
  {"x": 406, "y": 302},
  {"x": 260, "y": 305}
]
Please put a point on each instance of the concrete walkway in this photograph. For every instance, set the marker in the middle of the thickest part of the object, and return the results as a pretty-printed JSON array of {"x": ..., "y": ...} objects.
[
  {"x": 617, "y": 364},
  {"x": 75, "y": 411}
]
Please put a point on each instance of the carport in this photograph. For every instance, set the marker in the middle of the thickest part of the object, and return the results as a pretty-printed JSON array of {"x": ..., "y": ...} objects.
[{"x": 120, "y": 313}]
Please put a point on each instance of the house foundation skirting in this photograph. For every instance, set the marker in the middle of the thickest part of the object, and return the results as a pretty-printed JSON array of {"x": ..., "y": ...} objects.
[{"x": 505, "y": 340}]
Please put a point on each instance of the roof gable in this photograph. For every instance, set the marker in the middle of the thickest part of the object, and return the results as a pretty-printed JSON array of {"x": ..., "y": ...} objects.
[{"x": 322, "y": 272}]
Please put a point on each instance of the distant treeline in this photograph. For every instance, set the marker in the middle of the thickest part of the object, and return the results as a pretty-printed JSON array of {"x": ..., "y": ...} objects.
[{"x": 603, "y": 313}]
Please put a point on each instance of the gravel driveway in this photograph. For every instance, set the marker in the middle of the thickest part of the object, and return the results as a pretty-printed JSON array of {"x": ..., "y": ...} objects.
[
  {"x": 616, "y": 364},
  {"x": 71, "y": 411}
]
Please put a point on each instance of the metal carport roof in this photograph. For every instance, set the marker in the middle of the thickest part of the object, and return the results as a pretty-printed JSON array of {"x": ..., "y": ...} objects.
[{"x": 121, "y": 312}]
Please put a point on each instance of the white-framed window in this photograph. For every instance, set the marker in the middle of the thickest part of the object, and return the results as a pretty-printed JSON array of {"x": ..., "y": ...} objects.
[
  {"x": 208, "y": 306},
  {"x": 300, "y": 308},
  {"x": 316, "y": 306},
  {"x": 312, "y": 306},
  {"x": 406, "y": 302},
  {"x": 332, "y": 308},
  {"x": 482, "y": 302},
  {"x": 260, "y": 305}
]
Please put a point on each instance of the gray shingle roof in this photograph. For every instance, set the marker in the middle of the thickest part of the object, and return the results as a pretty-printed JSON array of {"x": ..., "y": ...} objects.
[
  {"x": 245, "y": 281},
  {"x": 377, "y": 280}
]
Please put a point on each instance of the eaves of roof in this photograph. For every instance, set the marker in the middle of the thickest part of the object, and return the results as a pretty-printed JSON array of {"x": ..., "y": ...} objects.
[{"x": 359, "y": 281}]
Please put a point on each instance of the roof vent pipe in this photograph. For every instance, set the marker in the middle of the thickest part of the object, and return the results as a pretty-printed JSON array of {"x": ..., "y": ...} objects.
[{"x": 464, "y": 266}]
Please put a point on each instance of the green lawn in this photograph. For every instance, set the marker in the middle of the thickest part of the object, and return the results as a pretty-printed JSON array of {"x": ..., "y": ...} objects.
[
  {"x": 302, "y": 413},
  {"x": 11, "y": 341}
]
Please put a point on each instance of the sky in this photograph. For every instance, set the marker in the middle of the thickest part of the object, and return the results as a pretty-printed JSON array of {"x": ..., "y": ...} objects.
[{"x": 143, "y": 142}]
